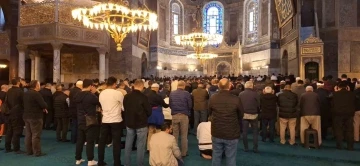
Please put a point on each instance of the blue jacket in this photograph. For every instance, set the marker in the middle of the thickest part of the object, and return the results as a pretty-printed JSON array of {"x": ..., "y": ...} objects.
[{"x": 180, "y": 102}]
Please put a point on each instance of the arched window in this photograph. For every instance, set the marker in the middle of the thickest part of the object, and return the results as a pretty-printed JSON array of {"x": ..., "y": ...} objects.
[
  {"x": 213, "y": 18},
  {"x": 252, "y": 21},
  {"x": 176, "y": 17},
  {"x": 2, "y": 20}
]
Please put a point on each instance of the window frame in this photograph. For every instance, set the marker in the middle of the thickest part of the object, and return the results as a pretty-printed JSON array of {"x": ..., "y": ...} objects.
[
  {"x": 219, "y": 21},
  {"x": 180, "y": 20}
]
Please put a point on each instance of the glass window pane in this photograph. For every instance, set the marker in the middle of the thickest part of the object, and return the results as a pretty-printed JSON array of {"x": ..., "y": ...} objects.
[
  {"x": 251, "y": 26},
  {"x": 213, "y": 18},
  {"x": 176, "y": 19},
  {"x": 2, "y": 20},
  {"x": 251, "y": 16},
  {"x": 176, "y": 29},
  {"x": 175, "y": 8}
]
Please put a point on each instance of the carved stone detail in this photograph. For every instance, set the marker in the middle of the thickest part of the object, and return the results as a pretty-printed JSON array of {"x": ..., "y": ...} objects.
[{"x": 312, "y": 39}]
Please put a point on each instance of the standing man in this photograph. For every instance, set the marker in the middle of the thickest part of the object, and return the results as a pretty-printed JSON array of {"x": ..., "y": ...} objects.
[
  {"x": 48, "y": 98},
  {"x": 111, "y": 101},
  {"x": 73, "y": 110},
  {"x": 34, "y": 107},
  {"x": 268, "y": 103},
  {"x": 343, "y": 110},
  {"x": 4, "y": 89},
  {"x": 61, "y": 114},
  {"x": 288, "y": 113},
  {"x": 86, "y": 102},
  {"x": 137, "y": 109},
  {"x": 310, "y": 113},
  {"x": 325, "y": 114},
  {"x": 201, "y": 97},
  {"x": 181, "y": 103},
  {"x": 15, "y": 122},
  {"x": 251, "y": 110},
  {"x": 225, "y": 110}
]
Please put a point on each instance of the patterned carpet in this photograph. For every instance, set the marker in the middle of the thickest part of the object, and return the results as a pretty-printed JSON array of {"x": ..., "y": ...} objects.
[{"x": 62, "y": 154}]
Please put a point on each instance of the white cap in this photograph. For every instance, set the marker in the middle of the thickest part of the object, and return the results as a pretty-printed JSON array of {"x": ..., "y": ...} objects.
[
  {"x": 298, "y": 78},
  {"x": 155, "y": 85},
  {"x": 319, "y": 84}
]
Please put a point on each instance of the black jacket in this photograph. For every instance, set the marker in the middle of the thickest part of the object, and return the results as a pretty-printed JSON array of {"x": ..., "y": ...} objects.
[
  {"x": 343, "y": 103},
  {"x": 310, "y": 104},
  {"x": 48, "y": 98},
  {"x": 268, "y": 103},
  {"x": 57, "y": 93},
  {"x": 251, "y": 101},
  {"x": 288, "y": 102},
  {"x": 156, "y": 100},
  {"x": 324, "y": 97},
  {"x": 34, "y": 105},
  {"x": 137, "y": 109},
  {"x": 61, "y": 108},
  {"x": 225, "y": 110},
  {"x": 236, "y": 92},
  {"x": 73, "y": 105},
  {"x": 86, "y": 105},
  {"x": 2, "y": 96},
  {"x": 15, "y": 101},
  {"x": 357, "y": 95}
]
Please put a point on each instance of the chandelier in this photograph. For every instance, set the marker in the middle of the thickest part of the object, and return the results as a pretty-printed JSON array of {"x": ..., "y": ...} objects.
[
  {"x": 198, "y": 40},
  {"x": 117, "y": 18}
]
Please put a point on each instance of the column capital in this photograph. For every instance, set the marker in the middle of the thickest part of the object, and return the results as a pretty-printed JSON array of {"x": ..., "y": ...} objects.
[
  {"x": 101, "y": 50},
  {"x": 56, "y": 45},
  {"x": 21, "y": 47},
  {"x": 33, "y": 54}
]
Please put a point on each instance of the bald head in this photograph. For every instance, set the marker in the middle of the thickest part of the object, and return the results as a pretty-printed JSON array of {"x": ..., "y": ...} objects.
[
  {"x": 224, "y": 84},
  {"x": 4, "y": 88},
  {"x": 309, "y": 89},
  {"x": 181, "y": 85}
]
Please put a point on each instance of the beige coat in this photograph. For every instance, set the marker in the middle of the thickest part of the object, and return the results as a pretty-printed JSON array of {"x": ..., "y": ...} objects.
[{"x": 163, "y": 150}]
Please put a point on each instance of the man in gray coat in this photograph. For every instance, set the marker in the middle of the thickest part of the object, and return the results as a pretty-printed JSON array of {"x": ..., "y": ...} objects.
[{"x": 310, "y": 113}]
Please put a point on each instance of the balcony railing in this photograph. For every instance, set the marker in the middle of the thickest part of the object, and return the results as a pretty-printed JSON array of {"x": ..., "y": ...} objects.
[{"x": 52, "y": 20}]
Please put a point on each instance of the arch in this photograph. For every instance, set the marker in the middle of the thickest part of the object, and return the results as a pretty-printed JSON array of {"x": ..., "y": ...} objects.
[
  {"x": 176, "y": 23},
  {"x": 213, "y": 18},
  {"x": 284, "y": 62},
  {"x": 251, "y": 17},
  {"x": 223, "y": 68},
  {"x": 143, "y": 64}
]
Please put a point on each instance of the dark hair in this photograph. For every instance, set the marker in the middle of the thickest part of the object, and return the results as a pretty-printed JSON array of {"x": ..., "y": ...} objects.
[
  {"x": 300, "y": 82},
  {"x": 282, "y": 86},
  {"x": 33, "y": 83},
  {"x": 71, "y": 85},
  {"x": 87, "y": 83},
  {"x": 342, "y": 84},
  {"x": 111, "y": 81},
  {"x": 343, "y": 76},
  {"x": 15, "y": 81},
  {"x": 165, "y": 126}
]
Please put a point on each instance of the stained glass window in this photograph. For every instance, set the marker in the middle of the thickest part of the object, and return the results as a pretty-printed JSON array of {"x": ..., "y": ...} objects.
[
  {"x": 2, "y": 20},
  {"x": 175, "y": 13},
  {"x": 176, "y": 19},
  {"x": 252, "y": 20},
  {"x": 213, "y": 18}
]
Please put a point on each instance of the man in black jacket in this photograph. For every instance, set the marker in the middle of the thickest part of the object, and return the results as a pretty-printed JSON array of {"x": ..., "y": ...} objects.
[
  {"x": 73, "y": 110},
  {"x": 137, "y": 109},
  {"x": 48, "y": 98},
  {"x": 325, "y": 114},
  {"x": 343, "y": 110},
  {"x": 288, "y": 113},
  {"x": 251, "y": 112},
  {"x": 268, "y": 101},
  {"x": 14, "y": 123},
  {"x": 86, "y": 106},
  {"x": 4, "y": 89},
  {"x": 34, "y": 108},
  {"x": 61, "y": 114},
  {"x": 225, "y": 110}
]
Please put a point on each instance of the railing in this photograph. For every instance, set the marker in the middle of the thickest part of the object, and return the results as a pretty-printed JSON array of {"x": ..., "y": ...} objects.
[{"x": 52, "y": 20}]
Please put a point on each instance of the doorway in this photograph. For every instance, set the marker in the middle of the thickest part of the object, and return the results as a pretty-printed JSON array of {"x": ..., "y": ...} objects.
[
  {"x": 312, "y": 70},
  {"x": 284, "y": 62}
]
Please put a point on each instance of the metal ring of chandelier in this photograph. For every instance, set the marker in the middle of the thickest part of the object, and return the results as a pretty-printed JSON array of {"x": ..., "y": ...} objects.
[
  {"x": 202, "y": 56},
  {"x": 199, "y": 39},
  {"x": 117, "y": 19}
]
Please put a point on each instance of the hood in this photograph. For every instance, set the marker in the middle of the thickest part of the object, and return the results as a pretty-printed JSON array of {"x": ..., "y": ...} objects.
[
  {"x": 268, "y": 96},
  {"x": 80, "y": 96},
  {"x": 213, "y": 88}
]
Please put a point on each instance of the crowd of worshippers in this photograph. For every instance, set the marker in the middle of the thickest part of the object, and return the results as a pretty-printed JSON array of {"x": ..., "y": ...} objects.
[{"x": 155, "y": 112}]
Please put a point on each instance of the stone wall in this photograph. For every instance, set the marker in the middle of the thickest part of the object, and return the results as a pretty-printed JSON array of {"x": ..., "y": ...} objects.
[
  {"x": 348, "y": 52},
  {"x": 262, "y": 62}
]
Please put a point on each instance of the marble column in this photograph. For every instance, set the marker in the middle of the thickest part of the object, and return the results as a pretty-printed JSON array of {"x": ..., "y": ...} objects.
[
  {"x": 32, "y": 57},
  {"x": 37, "y": 67},
  {"x": 102, "y": 70},
  {"x": 107, "y": 65},
  {"x": 56, "y": 62},
  {"x": 21, "y": 68}
]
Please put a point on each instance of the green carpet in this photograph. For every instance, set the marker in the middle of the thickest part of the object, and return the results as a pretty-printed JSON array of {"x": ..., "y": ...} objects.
[{"x": 62, "y": 154}]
